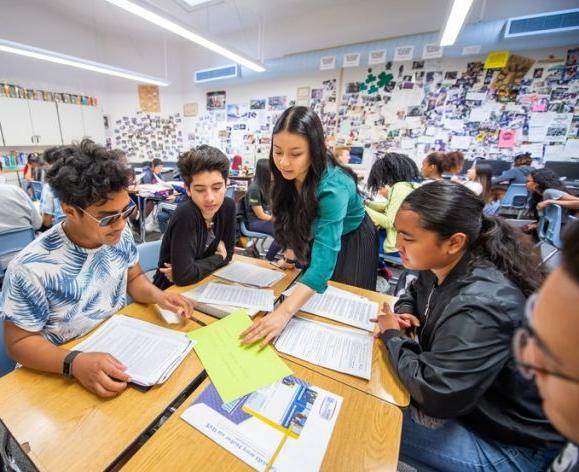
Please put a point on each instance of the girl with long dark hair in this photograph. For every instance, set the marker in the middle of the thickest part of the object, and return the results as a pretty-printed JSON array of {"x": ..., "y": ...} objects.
[
  {"x": 319, "y": 218},
  {"x": 471, "y": 408},
  {"x": 479, "y": 181},
  {"x": 257, "y": 203},
  {"x": 393, "y": 176}
]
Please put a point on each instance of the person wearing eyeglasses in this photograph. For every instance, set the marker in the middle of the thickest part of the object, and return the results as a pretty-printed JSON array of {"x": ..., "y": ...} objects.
[
  {"x": 471, "y": 410},
  {"x": 77, "y": 273},
  {"x": 547, "y": 348}
]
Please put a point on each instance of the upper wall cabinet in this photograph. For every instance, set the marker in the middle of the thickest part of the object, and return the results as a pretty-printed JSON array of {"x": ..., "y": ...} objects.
[
  {"x": 28, "y": 122},
  {"x": 80, "y": 121}
]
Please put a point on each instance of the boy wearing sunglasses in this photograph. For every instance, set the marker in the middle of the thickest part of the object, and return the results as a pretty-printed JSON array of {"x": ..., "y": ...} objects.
[
  {"x": 548, "y": 349},
  {"x": 77, "y": 273}
]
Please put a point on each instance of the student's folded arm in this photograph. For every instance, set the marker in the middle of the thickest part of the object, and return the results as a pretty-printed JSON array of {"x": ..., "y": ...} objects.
[
  {"x": 378, "y": 218},
  {"x": 333, "y": 205},
  {"x": 465, "y": 359},
  {"x": 406, "y": 303},
  {"x": 397, "y": 196},
  {"x": 184, "y": 243},
  {"x": 378, "y": 206}
]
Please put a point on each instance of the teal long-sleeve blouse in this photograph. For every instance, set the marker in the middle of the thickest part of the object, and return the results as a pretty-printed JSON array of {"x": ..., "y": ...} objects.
[{"x": 340, "y": 211}]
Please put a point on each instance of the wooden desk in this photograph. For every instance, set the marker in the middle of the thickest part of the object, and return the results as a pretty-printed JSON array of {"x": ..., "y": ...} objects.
[
  {"x": 366, "y": 436},
  {"x": 384, "y": 382},
  {"x": 69, "y": 428}
]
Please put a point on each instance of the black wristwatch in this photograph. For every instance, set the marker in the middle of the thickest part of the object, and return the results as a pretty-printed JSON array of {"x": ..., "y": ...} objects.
[{"x": 67, "y": 364}]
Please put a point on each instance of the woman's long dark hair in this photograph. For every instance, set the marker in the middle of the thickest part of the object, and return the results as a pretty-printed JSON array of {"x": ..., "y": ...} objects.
[
  {"x": 545, "y": 179},
  {"x": 484, "y": 174},
  {"x": 390, "y": 169},
  {"x": 295, "y": 211},
  {"x": 263, "y": 178},
  {"x": 448, "y": 208}
]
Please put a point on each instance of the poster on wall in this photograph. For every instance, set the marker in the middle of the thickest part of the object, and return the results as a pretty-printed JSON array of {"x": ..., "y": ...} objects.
[
  {"x": 404, "y": 53},
  {"x": 278, "y": 102},
  {"x": 351, "y": 60},
  {"x": 432, "y": 51},
  {"x": 377, "y": 57},
  {"x": 327, "y": 62},
  {"x": 149, "y": 99},
  {"x": 190, "y": 109},
  {"x": 216, "y": 100},
  {"x": 257, "y": 104},
  {"x": 571, "y": 65}
]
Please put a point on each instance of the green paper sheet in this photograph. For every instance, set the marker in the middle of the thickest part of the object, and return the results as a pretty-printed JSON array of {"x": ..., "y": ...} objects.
[{"x": 236, "y": 370}]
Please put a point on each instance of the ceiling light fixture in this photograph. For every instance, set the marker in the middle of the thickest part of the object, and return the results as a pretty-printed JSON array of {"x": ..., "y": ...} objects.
[
  {"x": 161, "y": 21},
  {"x": 51, "y": 56},
  {"x": 455, "y": 21}
]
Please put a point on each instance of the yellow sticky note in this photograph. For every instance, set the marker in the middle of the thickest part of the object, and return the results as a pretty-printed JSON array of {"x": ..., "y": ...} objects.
[
  {"x": 236, "y": 370},
  {"x": 497, "y": 59}
]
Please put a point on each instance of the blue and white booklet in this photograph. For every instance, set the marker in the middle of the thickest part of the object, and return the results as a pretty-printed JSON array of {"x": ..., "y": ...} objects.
[{"x": 286, "y": 426}]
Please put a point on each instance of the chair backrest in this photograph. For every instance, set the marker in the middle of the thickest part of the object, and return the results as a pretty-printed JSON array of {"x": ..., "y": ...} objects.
[
  {"x": 6, "y": 364},
  {"x": 550, "y": 226},
  {"x": 230, "y": 191},
  {"x": 250, "y": 234},
  {"x": 515, "y": 197},
  {"x": 36, "y": 189},
  {"x": 14, "y": 240},
  {"x": 149, "y": 255}
]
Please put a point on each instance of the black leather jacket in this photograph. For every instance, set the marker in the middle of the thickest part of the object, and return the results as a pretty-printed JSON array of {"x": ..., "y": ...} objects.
[{"x": 463, "y": 367}]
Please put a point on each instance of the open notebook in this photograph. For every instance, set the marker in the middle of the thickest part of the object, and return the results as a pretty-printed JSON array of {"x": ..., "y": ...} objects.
[{"x": 150, "y": 353}]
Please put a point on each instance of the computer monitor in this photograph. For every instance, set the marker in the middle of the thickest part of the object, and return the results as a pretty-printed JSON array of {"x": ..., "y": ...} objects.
[{"x": 567, "y": 169}]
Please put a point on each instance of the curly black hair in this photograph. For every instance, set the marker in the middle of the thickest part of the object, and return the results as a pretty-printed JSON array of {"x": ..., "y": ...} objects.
[
  {"x": 545, "y": 179},
  {"x": 391, "y": 169},
  {"x": 86, "y": 174}
]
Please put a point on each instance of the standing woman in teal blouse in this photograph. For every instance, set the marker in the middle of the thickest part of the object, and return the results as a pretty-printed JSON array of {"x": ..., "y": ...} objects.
[{"x": 319, "y": 218}]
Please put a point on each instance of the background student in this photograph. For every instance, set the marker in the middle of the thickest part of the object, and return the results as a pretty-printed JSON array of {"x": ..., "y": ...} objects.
[
  {"x": 434, "y": 165},
  {"x": 16, "y": 211},
  {"x": 152, "y": 173},
  {"x": 393, "y": 176},
  {"x": 479, "y": 181},
  {"x": 549, "y": 351},
  {"x": 200, "y": 236},
  {"x": 32, "y": 172},
  {"x": 49, "y": 204},
  {"x": 319, "y": 218},
  {"x": 342, "y": 154},
  {"x": 471, "y": 408},
  {"x": 518, "y": 173},
  {"x": 257, "y": 203},
  {"x": 77, "y": 273},
  {"x": 543, "y": 184}
]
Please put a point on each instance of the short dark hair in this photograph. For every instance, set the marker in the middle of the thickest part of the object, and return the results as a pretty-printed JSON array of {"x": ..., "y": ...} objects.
[
  {"x": 391, "y": 169},
  {"x": 203, "y": 158},
  {"x": 156, "y": 162},
  {"x": 51, "y": 155},
  {"x": 571, "y": 250},
  {"x": 86, "y": 174}
]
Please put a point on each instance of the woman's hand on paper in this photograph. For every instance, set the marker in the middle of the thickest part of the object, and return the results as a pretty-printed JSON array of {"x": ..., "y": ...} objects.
[
  {"x": 267, "y": 328},
  {"x": 221, "y": 250},
  {"x": 167, "y": 271},
  {"x": 176, "y": 303},
  {"x": 100, "y": 373}
]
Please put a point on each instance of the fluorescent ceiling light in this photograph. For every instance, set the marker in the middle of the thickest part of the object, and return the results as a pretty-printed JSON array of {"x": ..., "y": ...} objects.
[
  {"x": 455, "y": 21},
  {"x": 51, "y": 56},
  {"x": 194, "y": 3},
  {"x": 173, "y": 27}
]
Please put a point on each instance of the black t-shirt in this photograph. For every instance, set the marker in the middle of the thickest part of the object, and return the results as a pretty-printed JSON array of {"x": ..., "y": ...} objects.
[
  {"x": 253, "y": 198},
  {"x": 185, "y": 243}
]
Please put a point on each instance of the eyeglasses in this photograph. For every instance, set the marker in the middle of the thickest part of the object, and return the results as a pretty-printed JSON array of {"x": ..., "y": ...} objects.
[
  {"x": 523, "y": 337},
  {"x": 110, "y": 219}
]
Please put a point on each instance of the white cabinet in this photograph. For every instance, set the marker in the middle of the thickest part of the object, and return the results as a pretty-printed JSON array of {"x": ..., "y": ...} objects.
[
  {"x": 45, "y": 123},
  {"x": 94, "y": 124},
  {"x": 81, "y": 121},
  {"x": 71, "y": 125},
  {"x": 15, "y": 122},
  {"x": 29, "y": 122}
]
